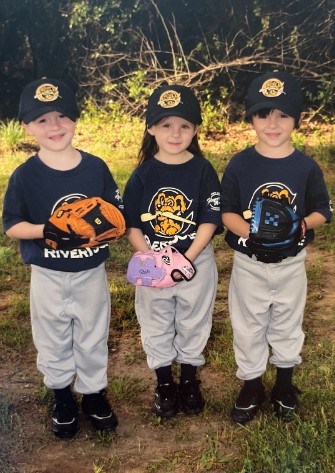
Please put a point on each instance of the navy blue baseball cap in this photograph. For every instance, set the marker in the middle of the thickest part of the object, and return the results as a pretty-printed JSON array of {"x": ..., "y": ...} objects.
[
  {"x": 275, "y": 90},
  {"x": 47, "y": 95},
  {"x": 173, "y": 100}
]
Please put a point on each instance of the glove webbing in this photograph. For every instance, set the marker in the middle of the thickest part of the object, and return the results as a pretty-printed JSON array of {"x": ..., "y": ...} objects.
[{"x": 97, "y": 220}]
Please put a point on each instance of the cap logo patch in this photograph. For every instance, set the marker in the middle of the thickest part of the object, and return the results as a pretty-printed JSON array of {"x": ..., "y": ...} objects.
[
  {"x": 46, "y": 93},
  {"x": 272, "y": 88},
  {"x": 169, "y": 99}
]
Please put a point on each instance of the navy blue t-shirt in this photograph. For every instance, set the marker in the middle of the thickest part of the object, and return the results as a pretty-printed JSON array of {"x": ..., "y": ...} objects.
[
  {"x": 296, "y": 177},
  {"x": 35, "y": 190},
  {"x": 169, "y": 201}
]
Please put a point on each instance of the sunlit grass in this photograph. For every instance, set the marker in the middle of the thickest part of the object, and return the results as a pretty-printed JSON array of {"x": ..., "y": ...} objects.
[
  {"x": 127, "y": 389},
  {"x": 305, "y": 446}
]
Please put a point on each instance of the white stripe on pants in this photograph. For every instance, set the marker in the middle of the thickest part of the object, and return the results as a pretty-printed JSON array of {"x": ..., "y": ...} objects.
[
  {"x": 266, "y": 306},
  {"x": 176, "y": 321},
  {"x": 70, "y": 315}
]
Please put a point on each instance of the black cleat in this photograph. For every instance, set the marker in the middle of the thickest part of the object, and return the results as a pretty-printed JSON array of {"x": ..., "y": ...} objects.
[
  {"x": 285, "y": 402},
  {"x": 248, "y": 403},
  {"x": 190, "y": 397},
  {"x": 97, "y": 408},
  {"x": 65, "y": 419},
  {"x": 166, "y": 400}
]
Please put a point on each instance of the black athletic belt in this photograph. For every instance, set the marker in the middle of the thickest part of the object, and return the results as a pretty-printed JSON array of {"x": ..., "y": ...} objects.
[{"x": 267, "y": 257}]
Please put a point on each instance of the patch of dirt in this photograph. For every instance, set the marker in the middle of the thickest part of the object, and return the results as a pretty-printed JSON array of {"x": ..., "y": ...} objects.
[
  {"x": 322, "y": 322},
  {"x": 140, "y": 440}
]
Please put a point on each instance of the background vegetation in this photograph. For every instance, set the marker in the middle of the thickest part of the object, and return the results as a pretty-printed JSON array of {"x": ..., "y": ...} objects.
[{"x": 115, "y": 51}]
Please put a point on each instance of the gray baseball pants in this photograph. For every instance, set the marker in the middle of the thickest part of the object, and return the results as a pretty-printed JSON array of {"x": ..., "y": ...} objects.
[
  {"x": 70, "y": 315},
  {"x": 176, "y": 321},
  {"x": 266, "y": 306}
]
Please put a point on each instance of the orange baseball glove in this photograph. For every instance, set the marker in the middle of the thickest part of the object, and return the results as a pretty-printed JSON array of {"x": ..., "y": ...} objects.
[{"x": 84, "y": 223}]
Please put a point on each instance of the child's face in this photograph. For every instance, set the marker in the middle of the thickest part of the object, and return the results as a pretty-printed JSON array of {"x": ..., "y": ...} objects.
[
  {"x": 173, "y": 135},
  {"x": 53, "y": 131},
  {"x": 274, "y": 130}
]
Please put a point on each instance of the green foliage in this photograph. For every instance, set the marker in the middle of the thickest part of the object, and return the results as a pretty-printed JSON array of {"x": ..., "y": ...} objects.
[
  {"x": 11, "y": 133},
  {"x": 92, "y": 113},
  {"x": 136, "y": 86},
  {"x": 306, "y": 447},
  {"x": 127, "y": 389},
  {"x": 6, "y": 256},
  {"x": 91, "y": 15},
  {"x": 135, "y": 93},
  {"x": 215, "y": 112},
  {"x": 298, "y": 140},
  {"x": 20, "y": 306},
  {"x": 12, "y": 336},
  {"x": 126, "y": 43},
  {"x": 326, "y": 153},
  {"x": 123, "y": 316},
  {"x": 324, "y": 94},
  {"x": 213, "y": 455}
]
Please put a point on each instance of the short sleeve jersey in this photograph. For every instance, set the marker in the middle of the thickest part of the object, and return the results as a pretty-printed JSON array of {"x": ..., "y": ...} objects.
[
  {"x": 36, "y": 190},
  {"x": 296, "y": 177},
  {"x": 169, "y": 202}
]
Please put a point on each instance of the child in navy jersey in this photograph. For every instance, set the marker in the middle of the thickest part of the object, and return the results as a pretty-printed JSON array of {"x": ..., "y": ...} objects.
[
  {"x": 180, "y": 189},
  {"x": 267, "y": 291},
  {"x": 69, "y": 296}
]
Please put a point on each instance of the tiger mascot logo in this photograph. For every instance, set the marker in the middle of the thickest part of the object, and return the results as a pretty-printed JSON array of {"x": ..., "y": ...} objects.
[{"x": 168, "y": 212}]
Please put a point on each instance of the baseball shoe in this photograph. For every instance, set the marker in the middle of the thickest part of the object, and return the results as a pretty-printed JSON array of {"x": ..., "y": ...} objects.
[
  {"x": 248, "y": 403},
  {"x": 190, "y": 397},
  {"x": 65, "y": 419},
  {"x": 166, "y": 400},
  {"x": 97, "y": 408},
  {"x": 285, "y": 402}
]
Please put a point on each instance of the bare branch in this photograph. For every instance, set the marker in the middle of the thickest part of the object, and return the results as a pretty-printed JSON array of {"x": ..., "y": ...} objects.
[{"x": 272, "y": 46}]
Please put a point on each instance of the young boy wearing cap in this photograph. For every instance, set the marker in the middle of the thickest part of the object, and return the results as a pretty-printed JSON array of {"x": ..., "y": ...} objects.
[
  {"x": 267, "y": 295},
  {"x": 180, "y": 189},
  {"x": 69, "y": 293}
]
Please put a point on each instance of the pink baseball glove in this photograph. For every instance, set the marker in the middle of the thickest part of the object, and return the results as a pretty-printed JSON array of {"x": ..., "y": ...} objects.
[{"x": 159, "y": 268}]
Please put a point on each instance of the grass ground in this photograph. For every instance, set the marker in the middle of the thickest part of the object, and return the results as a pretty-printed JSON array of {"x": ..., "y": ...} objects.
[{"x": 209, "y": 442}]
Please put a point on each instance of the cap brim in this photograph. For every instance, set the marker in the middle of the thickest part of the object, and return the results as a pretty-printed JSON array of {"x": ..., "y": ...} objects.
[
  {"x": 34, "y": 114},
  {"x": 167, "y": 114},
  {"x": 291, "y": 112}
]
